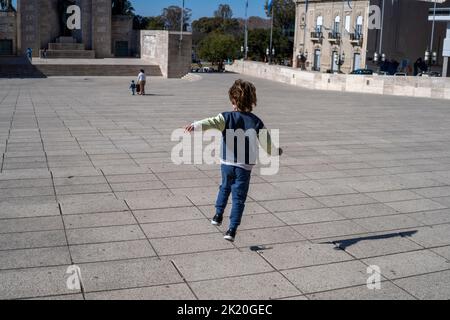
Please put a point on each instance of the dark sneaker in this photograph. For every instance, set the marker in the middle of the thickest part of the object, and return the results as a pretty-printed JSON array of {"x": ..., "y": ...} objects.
[
  {"x": 217, "y": 220},
  {"x": 230, "y": 235}
]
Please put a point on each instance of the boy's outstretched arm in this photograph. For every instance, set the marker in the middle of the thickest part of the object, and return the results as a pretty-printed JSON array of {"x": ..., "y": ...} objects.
[
  {"x": 266, "y": 143},
  {"x": 207, "y": 124}
]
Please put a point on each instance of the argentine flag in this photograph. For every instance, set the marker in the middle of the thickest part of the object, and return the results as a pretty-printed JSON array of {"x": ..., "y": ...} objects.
[{"x": 269, "y": 5}]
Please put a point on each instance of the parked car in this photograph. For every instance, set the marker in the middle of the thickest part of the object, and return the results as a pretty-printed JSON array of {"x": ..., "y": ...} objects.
[{"x": 363, "y": 72}]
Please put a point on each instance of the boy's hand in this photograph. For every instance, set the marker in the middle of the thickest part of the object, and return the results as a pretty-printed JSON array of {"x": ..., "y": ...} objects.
[
  {"x": 280, "y": 151},
  {"x": 189, "y": 128}
]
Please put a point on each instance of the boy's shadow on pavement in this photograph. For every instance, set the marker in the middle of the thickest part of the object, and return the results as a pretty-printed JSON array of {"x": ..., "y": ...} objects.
[
  {"x": 158, "y": 95},
  {"x": 345, "y": 243}
]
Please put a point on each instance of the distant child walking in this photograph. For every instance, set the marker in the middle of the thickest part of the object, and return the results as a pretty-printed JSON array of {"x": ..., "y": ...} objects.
[
  {"x": 237, "y": 160},
  {"x": 133, "y": 87}
]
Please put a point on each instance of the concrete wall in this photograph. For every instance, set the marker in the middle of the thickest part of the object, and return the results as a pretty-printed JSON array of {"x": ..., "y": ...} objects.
[
  {"x": 8, "y": 27},
  {"x": 101, "y": 28},
  {"x": 438, "y": 88},
  {"x": 49, "y": 27},
  {"x": 164, "y": 49},
  {"x": 122, "y": 30},
  {"x": 28, "y": 35}
]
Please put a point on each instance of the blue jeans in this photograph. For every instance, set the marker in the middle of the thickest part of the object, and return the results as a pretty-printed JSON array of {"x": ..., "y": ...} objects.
[{"x": 235, "y": 181}]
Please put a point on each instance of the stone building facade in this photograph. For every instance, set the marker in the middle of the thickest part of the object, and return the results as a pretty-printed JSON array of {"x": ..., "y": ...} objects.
[
  {"x": 8, "y": 33},
  {"x": 338, "y": 35},
  {"x": 39, "y": 24}
]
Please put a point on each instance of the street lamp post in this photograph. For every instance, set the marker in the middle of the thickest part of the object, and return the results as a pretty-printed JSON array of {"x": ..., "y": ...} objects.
[
  {"x": 430, "y": 58},
  {"x": 340, "y": 60},
  {"x": 271, "y": 35},
  {"x": 182, "y": 24},
  {"x": 246, "y": 32}
]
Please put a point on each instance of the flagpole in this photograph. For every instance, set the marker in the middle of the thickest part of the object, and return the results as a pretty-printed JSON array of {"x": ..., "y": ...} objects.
[
  {"x": 182, "y": 24},
  {"x": 271, "y": 37},
  {"x": 382, "y": 29},
  {"x": 246, "y": 32}
]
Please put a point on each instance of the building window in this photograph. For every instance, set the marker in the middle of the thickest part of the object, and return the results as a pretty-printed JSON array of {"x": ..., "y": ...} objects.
[
  {"x": 348, "y": 22},
  {"x": 319, "y": 24},
  {"x": 359, "y": 26},
  {"x": 337, "y": 25}
]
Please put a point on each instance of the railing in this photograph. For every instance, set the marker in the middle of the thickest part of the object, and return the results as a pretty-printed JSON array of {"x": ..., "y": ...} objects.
[
  {"x": 356, "y": 38},
  {"x": 315, "y": 35},
  {"x": 334, "y": 36}
]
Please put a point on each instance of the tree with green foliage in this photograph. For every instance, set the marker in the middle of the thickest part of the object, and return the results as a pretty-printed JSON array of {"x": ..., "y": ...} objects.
[
  {"x": 217, "y": 48},
  {"x": 172, "y": 18},
  {"x": 155, "y": 23},
  {"x": 122, "y": 7},
  {"x": 284, "y": 14},
  {"x": 258, "y": 42},
  {"x": 204, "y": 26},
  {"x": 224, "y": 12}
]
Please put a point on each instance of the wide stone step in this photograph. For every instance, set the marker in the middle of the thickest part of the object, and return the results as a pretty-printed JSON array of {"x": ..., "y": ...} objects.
[
  {"x": 70, "y": 54},
  {"x": 66, "y": 46},
  {"x": 96, "y": 70},
  {"x": 20, "y": 71}
]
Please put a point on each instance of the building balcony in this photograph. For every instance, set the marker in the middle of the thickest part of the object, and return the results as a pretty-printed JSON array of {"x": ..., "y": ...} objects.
[
  {"x": 316, "y": 36},
  {"x": 356, "y": 39},
  {"x": 334, "y": 36}
]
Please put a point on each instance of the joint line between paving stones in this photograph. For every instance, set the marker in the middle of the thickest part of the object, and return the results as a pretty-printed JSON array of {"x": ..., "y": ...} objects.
[
  {"x": 109, "y": 184},
  {"x": 68, "y": 249},
  {"x": 142, "y": 230},
  {"x": 184, "y": 279}
]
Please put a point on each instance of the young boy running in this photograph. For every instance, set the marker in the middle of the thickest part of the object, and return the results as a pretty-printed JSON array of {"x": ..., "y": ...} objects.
[{"x": 238, "y": 155}]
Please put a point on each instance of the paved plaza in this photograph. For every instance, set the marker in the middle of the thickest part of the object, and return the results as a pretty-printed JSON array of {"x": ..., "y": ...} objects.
[{"x": 87, "y": 180}]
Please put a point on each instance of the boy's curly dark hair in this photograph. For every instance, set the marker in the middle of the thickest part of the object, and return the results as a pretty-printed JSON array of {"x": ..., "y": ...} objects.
[{"x": 243, "y": 95}]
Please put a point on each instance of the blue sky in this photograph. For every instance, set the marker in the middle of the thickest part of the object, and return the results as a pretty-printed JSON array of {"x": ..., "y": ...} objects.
[{"x": 200, "y": 8}]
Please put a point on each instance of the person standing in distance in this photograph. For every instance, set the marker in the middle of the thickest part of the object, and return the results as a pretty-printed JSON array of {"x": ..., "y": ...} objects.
[{"x": 142, "y": 79}]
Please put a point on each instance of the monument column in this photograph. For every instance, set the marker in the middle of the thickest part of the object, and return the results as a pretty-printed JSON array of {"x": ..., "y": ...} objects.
[
  {"x": 28, "y": 26},
  {"x": 86, "y": 23},
  {"x": 101, "y": 28}
]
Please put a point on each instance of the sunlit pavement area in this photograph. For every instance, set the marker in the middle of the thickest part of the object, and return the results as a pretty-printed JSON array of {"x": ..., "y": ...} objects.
[{"x": 87, "y": 180}]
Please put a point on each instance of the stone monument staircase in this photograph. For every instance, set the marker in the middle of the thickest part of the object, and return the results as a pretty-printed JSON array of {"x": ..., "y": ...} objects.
[
  {"x": 116, "y": 70},
  {"x": 68, "y": 48}
]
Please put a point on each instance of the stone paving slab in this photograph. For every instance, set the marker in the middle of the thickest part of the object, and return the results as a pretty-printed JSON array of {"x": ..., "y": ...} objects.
[
  {"x": 30, "y": 283},
  {"x": 254, "y": 287},
  {"x": 87, "y": 179},
  {"x": 109, "y": 251},
  {"x": 104, "y": 276},
  {"x": 409, "y": 264},
  {"x": 328, "y": 277},
  {"x": 229, "y": 263},
  {"x": 166, "y": 292},
  {"x": 29, "y": 258},
  {"x": 433, "y": 286},
  {"x": 387, "y": 292}
]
